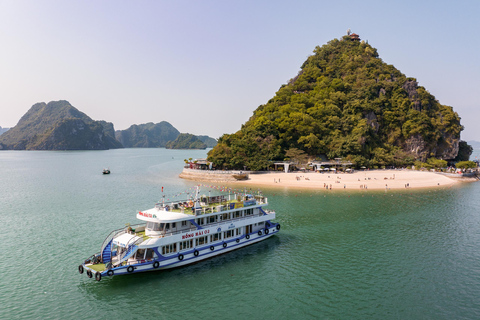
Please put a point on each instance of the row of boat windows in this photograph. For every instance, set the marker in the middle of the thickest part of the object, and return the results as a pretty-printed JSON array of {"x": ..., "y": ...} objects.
[
  {"x": 225, "y": 216},
  {"x": 154, "y": 226},
  {"x": 188, "y": 244}
]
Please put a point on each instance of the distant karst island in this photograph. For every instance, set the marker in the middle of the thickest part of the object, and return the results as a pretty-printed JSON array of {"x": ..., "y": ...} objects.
[
  {"x": 346, "y": 103},
  {"x": 58, "y": 125}
]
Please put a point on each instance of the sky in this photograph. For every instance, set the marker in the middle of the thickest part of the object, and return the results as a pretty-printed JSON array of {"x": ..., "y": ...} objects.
[{"x": 205, "y": 66}]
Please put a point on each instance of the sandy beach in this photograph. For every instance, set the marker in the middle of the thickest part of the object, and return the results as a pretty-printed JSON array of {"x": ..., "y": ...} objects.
[{"x": 359, "y": 180}]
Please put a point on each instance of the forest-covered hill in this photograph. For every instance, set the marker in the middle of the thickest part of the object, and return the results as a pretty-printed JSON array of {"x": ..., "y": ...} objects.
[
  {"x": 345, "y": 103},
  {"x": 186, "y": 141},
  {"x": 147, "y": 135}
]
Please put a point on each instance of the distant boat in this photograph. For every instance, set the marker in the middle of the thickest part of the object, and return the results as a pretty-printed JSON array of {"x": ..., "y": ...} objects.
[
  {"x": 241, "y": 176},
  {"x": 106, "y": 171}
]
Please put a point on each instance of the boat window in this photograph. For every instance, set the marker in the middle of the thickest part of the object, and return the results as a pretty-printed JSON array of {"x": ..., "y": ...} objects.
[
  {"x": 150, "y": 254},
  {"x": 238, "y": 231},
  {"x": 169, "y": 248},
  {"x": 211, "y": 219},
  {"x": 228, "y": 234},
  {"x": 215, "y": 237},
  {"x": 140, "y": 254},
  {"x": 184, "y": 223},
  {"x": 186, "y": 244},
  {"x": 201, "y": 240},
  {"x": 173, "y": 225},
  {"x": 153, "y": 226},
  {"x": 167, "y": 226}
]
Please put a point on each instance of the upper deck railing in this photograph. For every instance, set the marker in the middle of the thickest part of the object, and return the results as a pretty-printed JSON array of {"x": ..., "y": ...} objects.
[{"x": 208, "y": 205}]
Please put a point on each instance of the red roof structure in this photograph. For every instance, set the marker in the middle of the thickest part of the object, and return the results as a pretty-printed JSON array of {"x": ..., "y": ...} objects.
[{"x": 355, "y": 37}]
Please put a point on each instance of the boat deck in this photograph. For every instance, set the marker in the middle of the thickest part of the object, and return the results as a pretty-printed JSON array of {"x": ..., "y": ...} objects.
[
  {"x": 97, "y": 267},
  {"x": 188, "y": 207}
]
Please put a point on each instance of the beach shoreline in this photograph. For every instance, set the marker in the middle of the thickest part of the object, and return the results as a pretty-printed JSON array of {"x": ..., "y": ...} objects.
[{"x": 393, "y": 179}]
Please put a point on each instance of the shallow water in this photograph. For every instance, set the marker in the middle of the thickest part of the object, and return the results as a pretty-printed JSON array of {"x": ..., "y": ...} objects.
[{"x": 371, "y": 255}]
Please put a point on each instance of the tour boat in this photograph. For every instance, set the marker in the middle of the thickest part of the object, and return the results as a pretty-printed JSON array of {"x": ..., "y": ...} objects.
[{"x": 178, "y": 233}]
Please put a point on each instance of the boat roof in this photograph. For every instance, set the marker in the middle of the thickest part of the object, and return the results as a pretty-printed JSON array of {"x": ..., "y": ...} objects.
[
  {"x": 158, "y": 215},
  {"x": 124, "y": 239}
]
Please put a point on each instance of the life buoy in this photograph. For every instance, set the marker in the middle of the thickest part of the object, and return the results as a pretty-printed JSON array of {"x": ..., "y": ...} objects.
[
  {"x": 278, "y": 226},
  {"x": 130, "y": 269},
  {"x": 89, "y": 274},
  {"x": 110, "y": 273},
  {"x": 180, "y": 257},
  {"x": 259, "y": 232},
  {"x": 224, "y": 244},
  {"x": 80, "y": 269},
  {"x": 156, "y": 264},
  {"x": 98, "y": 276},
  {"x": 247, "y": 236},
  {"x": 238, "y": 240},
  {"x": 267, "y": 231},
  {"x": 212, "y": 248},
  {"x": 195, "y": 253}
]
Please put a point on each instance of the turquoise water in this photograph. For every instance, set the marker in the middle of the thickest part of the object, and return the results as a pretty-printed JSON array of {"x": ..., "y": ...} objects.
[{"x": 372, "y": 255}]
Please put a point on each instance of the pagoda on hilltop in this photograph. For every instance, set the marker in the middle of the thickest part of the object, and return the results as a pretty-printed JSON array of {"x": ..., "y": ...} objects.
[{"x": 354, "y": 37}]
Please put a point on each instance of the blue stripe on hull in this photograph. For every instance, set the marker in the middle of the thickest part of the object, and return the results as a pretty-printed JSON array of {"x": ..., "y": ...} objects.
[{"x": 173, "y": 261}]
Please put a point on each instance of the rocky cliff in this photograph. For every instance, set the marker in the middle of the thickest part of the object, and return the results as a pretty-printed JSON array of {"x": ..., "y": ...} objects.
[{"x": 58, "y": 126}]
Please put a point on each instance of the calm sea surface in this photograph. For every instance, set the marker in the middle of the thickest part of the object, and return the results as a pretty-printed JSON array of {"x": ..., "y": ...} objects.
[{"x": 373, "y": 255}]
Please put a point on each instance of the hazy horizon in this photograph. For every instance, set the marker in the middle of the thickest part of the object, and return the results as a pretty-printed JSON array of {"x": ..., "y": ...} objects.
[{"x": 206, "y": 66}]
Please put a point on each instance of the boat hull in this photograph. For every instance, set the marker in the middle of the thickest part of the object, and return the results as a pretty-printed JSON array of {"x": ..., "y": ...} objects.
[{"x": 186, "y": 257}]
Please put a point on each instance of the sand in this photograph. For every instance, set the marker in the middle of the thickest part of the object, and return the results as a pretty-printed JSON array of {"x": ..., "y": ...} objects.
[{"x": 359, "y": 180}]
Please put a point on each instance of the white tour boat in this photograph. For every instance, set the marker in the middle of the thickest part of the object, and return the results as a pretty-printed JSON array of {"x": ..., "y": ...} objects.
[{"x": 178, "y": 233}]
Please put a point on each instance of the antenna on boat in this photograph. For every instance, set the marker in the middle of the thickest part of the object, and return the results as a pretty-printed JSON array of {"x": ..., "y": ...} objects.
[{"x": 163, "y": 196}]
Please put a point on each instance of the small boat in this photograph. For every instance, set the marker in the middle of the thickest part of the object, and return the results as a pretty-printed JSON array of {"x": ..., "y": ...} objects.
[
  {"x": 179, "y": 233},
  {"x": 240, "y": 176},
  {"x": 106, "y": 171}
]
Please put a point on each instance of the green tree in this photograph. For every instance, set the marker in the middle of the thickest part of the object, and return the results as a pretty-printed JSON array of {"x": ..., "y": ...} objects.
[
  {"x": 297, "y": 156},
  {"x": 437, "y": 163},
  {"x": 465, "y": 165}
]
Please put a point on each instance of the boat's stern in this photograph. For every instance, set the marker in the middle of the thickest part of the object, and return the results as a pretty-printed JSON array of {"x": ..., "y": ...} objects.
[{"x": 94, "y": 266}]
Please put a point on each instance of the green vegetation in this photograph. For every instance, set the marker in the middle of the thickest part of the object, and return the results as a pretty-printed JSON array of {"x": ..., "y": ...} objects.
[
  {"x": 432, "y": 163},
  {"x": 210, "y": 142},
  {"x": 147, "y": 135},
  {"x": 465, "y": 165},
  {"x": 464, "y": 151},
  {"x": 159, "y": 135},
  {"x": 345, "y": 103},
  {"x": 186, "y": 141}
]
